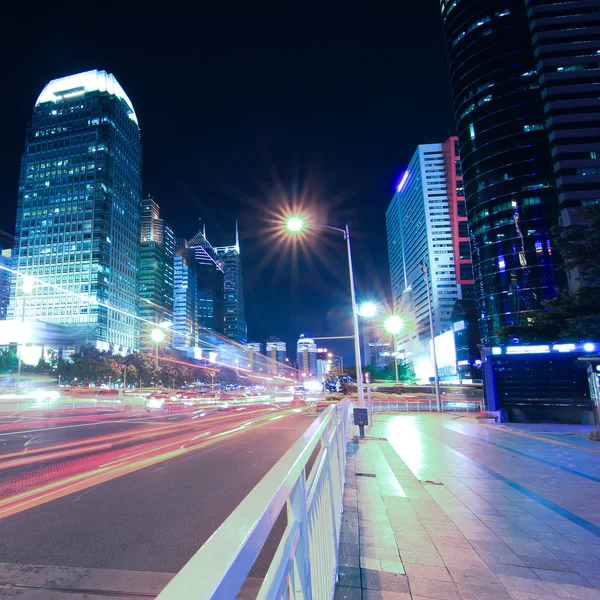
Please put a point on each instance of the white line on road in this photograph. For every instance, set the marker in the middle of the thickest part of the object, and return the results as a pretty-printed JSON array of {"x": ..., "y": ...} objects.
[{"x": 42, "y": 429}]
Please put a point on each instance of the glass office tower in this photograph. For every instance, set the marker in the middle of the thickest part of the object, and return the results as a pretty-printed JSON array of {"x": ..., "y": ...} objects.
[
  {"x": 78, "y": 211},
  {"x": 512, "y": 201},
  {"x": 185, "y": 309},
  {"x": 155, "y": 280},
  {"x": 210, "y": 283},
  {"x": 234, "y": 305}
]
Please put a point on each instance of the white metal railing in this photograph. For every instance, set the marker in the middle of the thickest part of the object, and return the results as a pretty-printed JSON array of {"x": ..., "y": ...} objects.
[{"x": 306, "y": 560}]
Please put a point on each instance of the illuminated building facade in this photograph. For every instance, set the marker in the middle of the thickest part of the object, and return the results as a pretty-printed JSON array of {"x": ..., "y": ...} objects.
[
  {"x": 256, "y": 359},
  {"x": 276, "y": 350},
  {"x": 234, "y": 306},
  {"x": 307, "y": 356},
  {"x": 499, "y": 97},
  {"x": 78, "y": 211},
  {"x": 155, "y": 283},
  {"x": 423, "y": 224},
  {"x": 6, "y": 260},
  {"x": 185, "y": 311},
  {"x": 210, "y": 283}
]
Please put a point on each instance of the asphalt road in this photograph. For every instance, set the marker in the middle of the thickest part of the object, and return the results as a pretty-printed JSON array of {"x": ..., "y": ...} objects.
[{"x": 152, "y": 519}]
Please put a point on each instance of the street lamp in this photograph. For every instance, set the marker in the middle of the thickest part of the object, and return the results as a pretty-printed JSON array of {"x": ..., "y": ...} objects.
[
  {"x": 366, "y": 310},
  {"x": 26, "y": 289},
  {"x": 158, "y": 336},
  {"x": 438, "y": 401},
  {"x": 394, "y": 325},
  {"x": 296, "y": 224}
]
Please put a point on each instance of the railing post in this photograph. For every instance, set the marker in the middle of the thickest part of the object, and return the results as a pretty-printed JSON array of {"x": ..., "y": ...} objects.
[{"x": 296, "y": 510}]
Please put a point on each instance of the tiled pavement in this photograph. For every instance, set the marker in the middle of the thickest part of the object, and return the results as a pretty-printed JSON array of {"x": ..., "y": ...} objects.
[{"x": 442, "y": 507}]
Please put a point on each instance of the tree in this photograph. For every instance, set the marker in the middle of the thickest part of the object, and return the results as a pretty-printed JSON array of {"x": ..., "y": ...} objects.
[
  {"x": 8, "y": 360},
  {"x": 572, "y": 315},
  {"x": 406, "y": 372}
]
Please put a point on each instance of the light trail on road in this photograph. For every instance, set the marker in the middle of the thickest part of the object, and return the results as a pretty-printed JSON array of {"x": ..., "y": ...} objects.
[{"x": 63, "y": 468}]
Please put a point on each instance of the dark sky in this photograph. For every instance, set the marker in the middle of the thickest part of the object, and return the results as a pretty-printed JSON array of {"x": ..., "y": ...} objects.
[{"x": 242, "y": 113}]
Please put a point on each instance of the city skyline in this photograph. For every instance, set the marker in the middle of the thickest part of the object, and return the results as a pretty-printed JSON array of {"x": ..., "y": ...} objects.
[{"x": 223, "y": 163}]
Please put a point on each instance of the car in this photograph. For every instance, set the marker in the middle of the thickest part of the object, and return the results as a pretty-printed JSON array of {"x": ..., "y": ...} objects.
[{"x": 224, "y": 407}]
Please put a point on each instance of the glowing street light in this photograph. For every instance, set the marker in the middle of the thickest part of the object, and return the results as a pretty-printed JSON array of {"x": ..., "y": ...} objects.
[
  {"x": 394, "y": 325},
  {"x": 367, "y": 309},
  {"x": 158, "y": 336},
  {"x": 295, "y": 224}
]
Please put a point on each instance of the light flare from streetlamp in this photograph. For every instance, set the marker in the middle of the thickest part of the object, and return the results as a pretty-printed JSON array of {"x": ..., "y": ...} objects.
[
  {"x": 394, "y": 324},
  {"x": 157, "y": 335},
  {"x": 367, "y": 309},
  {"x": 295, "y": 224}
]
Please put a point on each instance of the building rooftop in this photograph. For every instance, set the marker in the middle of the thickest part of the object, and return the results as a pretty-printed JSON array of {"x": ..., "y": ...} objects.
[{"x": 83, "y": 83}]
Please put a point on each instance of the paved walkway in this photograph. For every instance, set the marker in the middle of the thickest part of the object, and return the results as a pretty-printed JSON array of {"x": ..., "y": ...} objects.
[{"x": 442, "y": 507}]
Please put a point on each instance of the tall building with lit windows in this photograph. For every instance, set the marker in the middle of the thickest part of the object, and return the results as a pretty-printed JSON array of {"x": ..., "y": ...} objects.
[
  {"x": 306, "y": 352},
  {"x": 78, "y": 211},
  {"x": 425, "y": 223},
  {"x": 523, "y": 78},
  {"x": 155, "y": 279},
  {"x": 185, "y": 310},
  {"x": 234, "y": 306},
  {"x": 209, "y": 283}
]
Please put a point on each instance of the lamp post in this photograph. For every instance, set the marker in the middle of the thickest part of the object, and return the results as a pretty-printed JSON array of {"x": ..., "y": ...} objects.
[
  {"x": 296, "y": 225},
  {"x": 26, "y": 288},
  {"x": 394, "y": 325},
  {"x": 438, "y": 400}
]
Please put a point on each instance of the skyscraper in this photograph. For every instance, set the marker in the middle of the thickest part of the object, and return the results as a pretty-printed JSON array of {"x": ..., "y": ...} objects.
[
  {"x": 522, "y": 75},
  {"x": 157, "y": 252},
  {"x": 424, "y": 223},
  {"x": 210, "y": 283},
  {"x": 307, "y": 356},
  {"x": 6, "y": 260},
  {"x": 256, "y": 359},
  {"x": 566, "y": 49},
  {"x": 185, "y": 310},
  {"x": 276, "y": 351},
  {"x": 234, "y": 305},
  {"x": 78, "y": 211}
]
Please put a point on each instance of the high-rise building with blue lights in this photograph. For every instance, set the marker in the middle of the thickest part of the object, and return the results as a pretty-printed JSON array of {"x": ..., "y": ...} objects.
[
  {"x": 306, "y": 350},
  {"x": 155, "y": 279},
  {"x": 6, "y": 264},
  {"x": 523, "y": 75},
  {"x": 78, "y": 211},
  {"x": 421, "y": 227},
  {"x": 210, "y": 283},
  {"x": 234, "y": 306},
  {"x": 185, "y": 310}
]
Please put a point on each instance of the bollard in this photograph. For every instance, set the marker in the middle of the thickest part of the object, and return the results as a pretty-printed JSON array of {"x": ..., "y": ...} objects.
[{"x": 429, "y": 403}]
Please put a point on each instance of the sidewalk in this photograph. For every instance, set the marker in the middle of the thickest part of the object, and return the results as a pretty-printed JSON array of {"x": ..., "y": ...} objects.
[{"x": 441, "y": 507}]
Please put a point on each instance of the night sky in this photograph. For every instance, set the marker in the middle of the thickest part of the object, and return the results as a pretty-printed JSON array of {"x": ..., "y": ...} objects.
[{"x": 244, "y": 114}]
